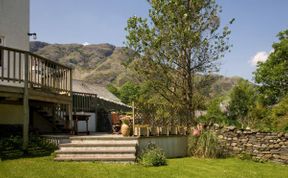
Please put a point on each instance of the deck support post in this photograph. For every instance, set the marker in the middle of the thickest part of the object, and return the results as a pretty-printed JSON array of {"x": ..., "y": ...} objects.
[
  {"x": 26, "y": 105},
  {"x": 133, "y": 117}
]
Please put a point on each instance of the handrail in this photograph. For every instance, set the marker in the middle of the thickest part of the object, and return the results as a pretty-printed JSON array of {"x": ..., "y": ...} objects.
[
  {"x": 43, "y": 73},
  {"x": 36, "y": 55}
]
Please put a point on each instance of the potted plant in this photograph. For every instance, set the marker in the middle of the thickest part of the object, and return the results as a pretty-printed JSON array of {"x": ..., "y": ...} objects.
[{"x": 125, "y": 129}]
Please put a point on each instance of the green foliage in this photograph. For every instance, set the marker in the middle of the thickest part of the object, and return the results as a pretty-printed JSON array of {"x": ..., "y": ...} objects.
[
  {"x": 272, "y": 74},
  {"x": 214, "y": 112},
  {"x": 182, "y": 41},
  {"x": 126, "y": 93},
  {"x": 206, "y": 146},
  {"x": 11, "y": 147},
  {"x": 129, "y": 92},
  {"x": 113, "y": 90},
  {"x": 245, "y": 156},
  {"x": 242, "y": 101},
  {"x": 279, "y": 115},
  {"x": 152, "y": 156}
]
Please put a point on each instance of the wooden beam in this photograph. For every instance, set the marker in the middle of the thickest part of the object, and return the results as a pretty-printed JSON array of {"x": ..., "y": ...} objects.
[{"x": 26, "y": 106}]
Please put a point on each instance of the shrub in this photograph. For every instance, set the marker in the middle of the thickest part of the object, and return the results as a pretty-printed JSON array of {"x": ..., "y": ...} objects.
[
  {"x": 152, "y": 156},
  {"x": 11, "y": 147},
  {"x": 206, "y": 145}
]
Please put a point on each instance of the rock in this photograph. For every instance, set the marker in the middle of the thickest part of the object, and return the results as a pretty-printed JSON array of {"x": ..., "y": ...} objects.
[
  {"x": 264, "y": 146},
  {"x": 276, "y": 156},
  {"x": 231, "y": 128},
  {"x": 235, "y": 138},
  {"x": 280, "y": 134},
  {"x": 267, "y": 156},
  {"x": 276, "y": 146},
  {"x": 249, "y": 145},
  {"x": 284, "y": 157},
  {"x": 233, "y": 144},
  {"x": 244, "y": 140},
  {"x": 229, "y": 139},
  {"x": 221, "y": 136}
]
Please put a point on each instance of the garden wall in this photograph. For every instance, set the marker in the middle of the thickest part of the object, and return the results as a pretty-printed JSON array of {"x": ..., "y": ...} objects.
[
  {"x": 173, "y": 145},
  {"x": 259, "y": 145}
]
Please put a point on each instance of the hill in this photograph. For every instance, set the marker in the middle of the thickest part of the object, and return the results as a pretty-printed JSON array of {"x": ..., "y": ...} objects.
[
  {"x": 96, "y": 63},
  {"x": 103, "y": 64}
]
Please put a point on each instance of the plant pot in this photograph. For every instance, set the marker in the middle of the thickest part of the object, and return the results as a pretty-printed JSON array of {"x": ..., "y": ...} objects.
[{"x": 125, "y": 130}]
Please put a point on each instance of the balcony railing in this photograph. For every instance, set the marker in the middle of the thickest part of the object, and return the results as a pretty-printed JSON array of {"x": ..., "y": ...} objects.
[{"x": 43, "y": 74}]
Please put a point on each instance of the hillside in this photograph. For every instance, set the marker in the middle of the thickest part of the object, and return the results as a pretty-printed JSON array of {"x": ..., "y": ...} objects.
[
  {"x": 103, "y": 64},
  {"x": 97, "y": 63}
]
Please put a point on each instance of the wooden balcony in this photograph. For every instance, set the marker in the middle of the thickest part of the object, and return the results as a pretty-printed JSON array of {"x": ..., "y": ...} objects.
[{"x": 46, "y": 80}]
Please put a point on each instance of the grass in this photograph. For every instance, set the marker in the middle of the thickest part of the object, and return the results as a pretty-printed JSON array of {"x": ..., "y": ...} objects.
[{"x": 45, "y": 167}]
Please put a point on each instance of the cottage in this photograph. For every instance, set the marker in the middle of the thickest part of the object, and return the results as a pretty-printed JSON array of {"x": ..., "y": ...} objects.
[{"x": 38, "y": 94}]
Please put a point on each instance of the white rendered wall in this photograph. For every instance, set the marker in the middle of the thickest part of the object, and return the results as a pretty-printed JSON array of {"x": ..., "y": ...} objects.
[
  {"x": 91, "y": 124},
  {"x": 14, "y": 23},
  {"x": 174, "y": 146}
]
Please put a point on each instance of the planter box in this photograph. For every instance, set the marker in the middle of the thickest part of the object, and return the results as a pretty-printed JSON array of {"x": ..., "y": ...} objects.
[
  {"x": 144, "y": 131},
  {"x": 155, "y": 131},
  {"x": 182, "y": 130},
  {"x": 174, "y": 130},
  {"x": 165, "y": 131}
]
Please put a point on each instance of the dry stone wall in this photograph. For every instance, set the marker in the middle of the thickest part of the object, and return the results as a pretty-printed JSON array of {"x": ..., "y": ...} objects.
[{"x": 259, "y": 145}]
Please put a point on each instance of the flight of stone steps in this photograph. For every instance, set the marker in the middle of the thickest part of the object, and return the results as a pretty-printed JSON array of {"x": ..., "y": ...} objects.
[{"x": 107, "y": 148}]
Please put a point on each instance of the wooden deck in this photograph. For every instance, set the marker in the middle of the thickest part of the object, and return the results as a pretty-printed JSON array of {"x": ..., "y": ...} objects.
[{"x": 17, "y": 93}]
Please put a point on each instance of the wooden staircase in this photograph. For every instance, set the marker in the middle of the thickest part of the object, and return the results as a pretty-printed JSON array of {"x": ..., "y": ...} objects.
[
  {"x": 48, "y": 112},
  {"x": 107, "y": 148}
]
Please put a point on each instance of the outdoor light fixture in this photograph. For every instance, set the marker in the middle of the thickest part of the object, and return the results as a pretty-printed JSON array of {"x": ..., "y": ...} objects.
[{"x": 34, "y": 35}]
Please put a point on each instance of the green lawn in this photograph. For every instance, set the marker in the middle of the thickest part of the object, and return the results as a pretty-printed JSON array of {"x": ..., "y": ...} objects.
[{"x": 45, "y": 167}]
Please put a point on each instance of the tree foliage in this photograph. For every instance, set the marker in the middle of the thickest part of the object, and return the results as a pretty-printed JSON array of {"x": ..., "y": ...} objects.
[
  {"x": 180, "y": 42},
  {"x": 272, "y": 75},
  {"x": 242, "y": 101}
]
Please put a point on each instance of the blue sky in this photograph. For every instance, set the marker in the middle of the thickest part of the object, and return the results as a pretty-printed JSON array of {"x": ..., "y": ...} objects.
[{"x": 103, "y": 21}]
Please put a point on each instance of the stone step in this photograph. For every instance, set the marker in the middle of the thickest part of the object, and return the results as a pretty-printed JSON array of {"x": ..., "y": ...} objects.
[
  {"x": 103, "y": 159},
  {"x": 98, "y": 144},
  {"x": 103, "y": 151},
  {"x": 99, "y": 157},
  {"x": 97, "y": 148},
  {"x": 108, "y": 137},
  {"x": 115, "y": 142}
]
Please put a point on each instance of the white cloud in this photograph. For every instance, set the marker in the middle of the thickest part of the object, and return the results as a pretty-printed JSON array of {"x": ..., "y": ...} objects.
[
  {"x": 86, "y": 43},
  {"x": 260, "y": 56}
]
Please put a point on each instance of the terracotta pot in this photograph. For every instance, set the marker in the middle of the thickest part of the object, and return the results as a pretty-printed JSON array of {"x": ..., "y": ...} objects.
[{"x": 125, "y": 130}]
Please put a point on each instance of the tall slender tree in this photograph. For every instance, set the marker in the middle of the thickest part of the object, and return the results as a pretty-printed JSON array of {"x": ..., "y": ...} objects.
[{"x": 179, "y": 43}]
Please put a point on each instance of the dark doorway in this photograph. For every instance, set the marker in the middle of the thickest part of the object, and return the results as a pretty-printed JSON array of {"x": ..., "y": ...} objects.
[{"x": 103, "y": 121}]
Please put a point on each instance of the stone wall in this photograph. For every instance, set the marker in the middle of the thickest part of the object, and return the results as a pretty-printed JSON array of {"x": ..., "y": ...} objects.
[{"x": 259, "y": 145}]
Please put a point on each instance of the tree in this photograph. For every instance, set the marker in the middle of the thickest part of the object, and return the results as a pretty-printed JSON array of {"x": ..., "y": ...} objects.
[
  {"x": 272, "y": 75},
  {"x": 127, "y": 93},
  {"x": 180, "y": 42},
  {"x": 242, "y": 101}
]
